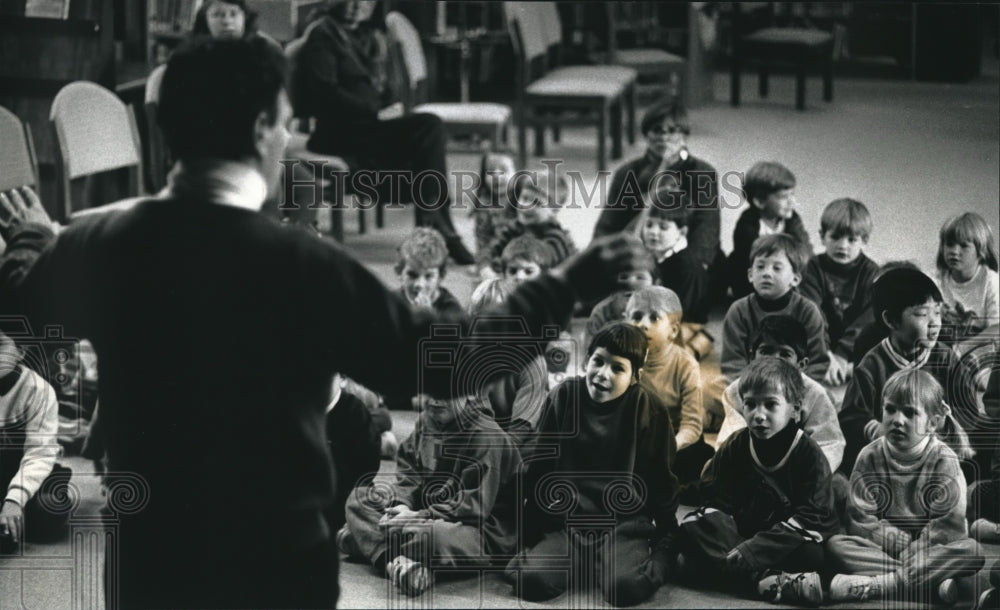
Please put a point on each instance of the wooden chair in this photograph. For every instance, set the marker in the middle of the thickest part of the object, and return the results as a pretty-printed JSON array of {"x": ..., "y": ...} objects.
[
  {"x": 481, "y": 120},
  {"x": 575, "y": 95},
  {"x": 804, "y": 47},
  {"x": 656, "y": 67},
  {"x": 97, "y": 133},
  {"x": 157, "y": 157},
  {"x": 18, "y": 165}
]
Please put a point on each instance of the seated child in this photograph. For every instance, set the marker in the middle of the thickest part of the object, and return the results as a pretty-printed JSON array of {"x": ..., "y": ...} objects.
[
  {"x": 770, "y": 191},
  {"x": 355, "y": 446},
  {"x": 906, "y": 511},
  {"x": 517, "y": 397},
  {"x": 537, "y": 198},
  {"x": 777, "y": 263},
  {"x": 524, "y": 258},
  {"x": 423, "y": 262},
  {"x": 492, "y": 209},
  {"x": 768, "y": 506},
  {"x": 967, "y": 264},
  {"x": 912, "y": 313},
  {"x": 599, "y": 433},
  {"x": 784, "y": 337},
  {"x": 29, "y": 425},
  {"x": 671, "y": 374},
  {"x": 450, "y": 504},
  {"x": 873, "y": 331},
  {"x": 664, "y": 233},
  {"x": 612, "y": 309},
  {"x": 984, "y": 495},
  {"x": 839, "y": 280}
]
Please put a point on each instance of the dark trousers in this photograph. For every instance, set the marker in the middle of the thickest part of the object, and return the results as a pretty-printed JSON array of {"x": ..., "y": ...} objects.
[
  {"x": 181, "y": 568},
  {"x": 618, "y": 561},
  {"x": 706, "y": 540},
  {"x": 413, "y": 143}
]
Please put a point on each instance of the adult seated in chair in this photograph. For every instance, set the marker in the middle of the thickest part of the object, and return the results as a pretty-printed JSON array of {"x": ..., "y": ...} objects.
[
  {"x": 342, "y": 81},
  {"x": 666, "y": 128}
]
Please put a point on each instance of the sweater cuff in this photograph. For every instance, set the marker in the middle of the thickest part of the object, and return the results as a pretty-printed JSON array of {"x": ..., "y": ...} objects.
[
  {"x": 685, "y": 438},
  {"x": 17, "y": 495},
  {"x": 872, "y": 430}
]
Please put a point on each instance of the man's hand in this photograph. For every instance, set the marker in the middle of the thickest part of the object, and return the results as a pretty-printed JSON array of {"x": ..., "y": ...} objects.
[
  {"x": 11, "y": 520},
  {"x": 593, "y": 273},
  {"x": 399, "y": 516},
  {"x": 18, "y": 206},
  {"x": 839, "y": 370}
]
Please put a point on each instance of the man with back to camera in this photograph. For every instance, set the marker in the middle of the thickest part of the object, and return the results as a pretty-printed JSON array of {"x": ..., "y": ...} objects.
[{"x": 218, "y": 331}]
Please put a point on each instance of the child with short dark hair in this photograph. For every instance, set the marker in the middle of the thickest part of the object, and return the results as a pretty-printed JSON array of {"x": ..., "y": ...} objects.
[
  {"x": 422, "y": 264},
  {"x": 839, "y": 280},
  {"x": 607, "y": 438},
  {"x": 906, "y": 511},
  {"x": 874, "y": 330},
  {"x": 770, "y": 190},
  {"x": 525, "y": 257},
  {"x": 538, "y": 196},
  {"x": 777, "y": 263},
  {"x": 450, "y": 505},
  {"x": 768, "y": 505},
  {"x": 911, "y": 311},
  {"x": 784, "y": 337},
  {"x": 612, "y": 309},
  {"x": 671, "y": 374}
]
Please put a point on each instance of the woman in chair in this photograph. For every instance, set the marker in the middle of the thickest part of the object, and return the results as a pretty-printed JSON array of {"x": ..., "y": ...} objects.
[{"x": 342, "y": 80}]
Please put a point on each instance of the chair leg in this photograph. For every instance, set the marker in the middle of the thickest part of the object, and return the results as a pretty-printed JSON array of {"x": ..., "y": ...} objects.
[
  {"x": 763, "y": 79},
  {"x": 362, "y": 222},
  {"x": 380, "y": 214},
  {"x": 616, "y": 129},
  {"x": 734, "y": 80},
  {"x": 522, "y": 143},
  {"x": 556, "y": 131},
  {"x": 539, "y": 139},
  {"x": 828, "y": 77},
  {"x": 800, "y": 84},
  {"x": 337, "y": 222},
  {"x": 630, "y": 100},
  {"x": 602, "y": 139}
]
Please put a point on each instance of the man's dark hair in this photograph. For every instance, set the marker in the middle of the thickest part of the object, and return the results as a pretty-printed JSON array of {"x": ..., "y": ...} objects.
[
  {"x": 623, "y": 340},
  {"x": 672, "y": 109},
  {"x": 781, "y": 330},
  {"x": 200, "y": 27},
  {"x": 212, "y": 93}
]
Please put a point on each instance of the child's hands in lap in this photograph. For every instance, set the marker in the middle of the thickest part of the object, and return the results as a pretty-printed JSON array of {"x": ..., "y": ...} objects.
[{"x": 896, "y": 543}]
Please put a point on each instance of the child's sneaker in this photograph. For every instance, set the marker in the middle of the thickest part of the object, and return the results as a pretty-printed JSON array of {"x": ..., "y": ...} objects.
[
  {"x": 346, "y": 543},
  {"x": 851, "y": 587},
  {"x": 985, "y": 530},
  {"x": 782, "y": 587},
  {"x": 947, "y": 592},
  {"x": 989, "y": 600}
]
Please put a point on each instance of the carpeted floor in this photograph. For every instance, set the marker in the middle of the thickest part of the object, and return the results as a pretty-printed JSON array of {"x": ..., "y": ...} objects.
[{"x": 915, "y": 153}]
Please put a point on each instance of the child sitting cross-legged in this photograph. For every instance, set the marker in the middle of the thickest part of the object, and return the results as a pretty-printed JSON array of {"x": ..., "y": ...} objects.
[
  {"x": 776, "y": 264},
  {"x": 450, "y": 504},
  {"x": 784, "y": 337},
  {"x": 600, "y": 496},
  {"x": 906, "y": 509},
  {"x": 768, "y": 505}
]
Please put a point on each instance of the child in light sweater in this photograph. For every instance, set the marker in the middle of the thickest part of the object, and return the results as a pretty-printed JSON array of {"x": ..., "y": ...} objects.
[
  {"x": 906, "y": 529},
  {"x": 784, "y": 337},
  {"x": 672, "y": 375}
]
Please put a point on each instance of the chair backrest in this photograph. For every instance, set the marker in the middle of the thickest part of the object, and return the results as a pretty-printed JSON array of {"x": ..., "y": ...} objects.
[
  {"x": 528, "y": 32},
  {"x": 292, "y": 50},
  {"x": 548, "y": 14},
  {"x": 96, "y": 133},
  {"x": 18, "y": 166},
  {"x": 157, "y": 158},
  {"x": 402, "y": 31},
  {"x": 153, "y": 82}
]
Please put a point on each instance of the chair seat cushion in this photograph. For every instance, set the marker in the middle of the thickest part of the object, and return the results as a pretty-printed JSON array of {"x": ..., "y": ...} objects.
[
  {"x": 646, "y": 57},
  {"x": 576, "y": 84},
  {"x": 468, "y": 113},
  {"x": 620, "y": 75},
  {"x": 790, "y": 36}
]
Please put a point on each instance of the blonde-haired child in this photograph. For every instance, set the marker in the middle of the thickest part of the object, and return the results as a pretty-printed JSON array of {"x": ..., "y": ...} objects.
[
  {"x": 906, "y": 510},
  {"x": 493, "y": 207},
  {"x": 967, "y": 264}
]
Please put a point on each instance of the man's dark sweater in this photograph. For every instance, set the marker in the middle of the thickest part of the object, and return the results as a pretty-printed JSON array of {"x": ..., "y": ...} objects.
[
  {"x": 843, "y": 293},
  {"x": 600, "y": 446},
  {"x": 632, "y": 181},
  {"x": 217, "y": 331}
]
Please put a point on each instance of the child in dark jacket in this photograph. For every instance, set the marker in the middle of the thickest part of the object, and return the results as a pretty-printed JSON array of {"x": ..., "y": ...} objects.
[
  {"x": 770, "y": 191},
  {"x": 609, "y": 443},
  {"x": 451, "y": 503},
  {"x": 768, "y": 505}
]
